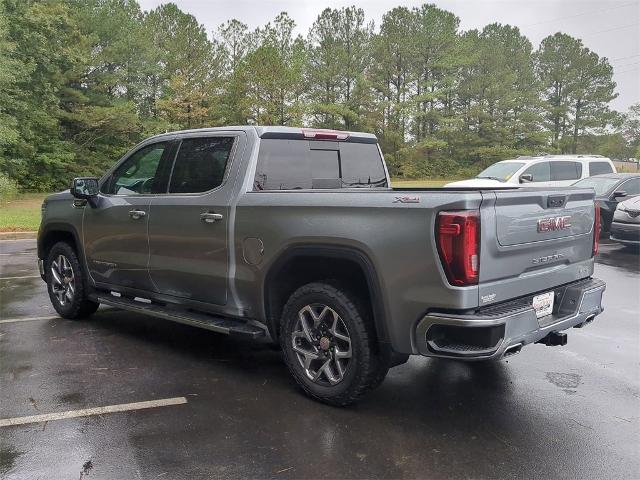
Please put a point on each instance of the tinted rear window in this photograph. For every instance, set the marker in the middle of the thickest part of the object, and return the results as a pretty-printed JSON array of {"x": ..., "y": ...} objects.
[
  {"x": 562, "y": 170},
  {"x": 306, "y": 164},
  {"x": 599, "y": 168}
]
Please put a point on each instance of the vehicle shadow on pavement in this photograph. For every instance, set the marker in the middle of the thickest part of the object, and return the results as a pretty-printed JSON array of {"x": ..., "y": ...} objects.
[{"x": 615, "y": 255}]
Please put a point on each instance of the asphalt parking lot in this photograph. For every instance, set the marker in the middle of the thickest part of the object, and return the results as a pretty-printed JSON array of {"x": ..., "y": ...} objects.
[{"x": 227, "y": 408}]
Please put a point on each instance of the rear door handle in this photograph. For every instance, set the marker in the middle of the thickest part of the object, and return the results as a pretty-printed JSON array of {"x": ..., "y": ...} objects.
[
  {"x": 137, "y": 214},
  {"x": 210, "y": 217}
]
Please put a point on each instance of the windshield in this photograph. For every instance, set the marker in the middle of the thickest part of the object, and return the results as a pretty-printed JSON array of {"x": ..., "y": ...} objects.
[
  {"x": 501, "y": 171},
  {"x": 600, "y": 185}
]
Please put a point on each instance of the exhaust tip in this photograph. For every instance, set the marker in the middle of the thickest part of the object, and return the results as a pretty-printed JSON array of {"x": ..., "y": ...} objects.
[
  {"x": 587, "y": 321},
  {"x": 512, "y": 350}
]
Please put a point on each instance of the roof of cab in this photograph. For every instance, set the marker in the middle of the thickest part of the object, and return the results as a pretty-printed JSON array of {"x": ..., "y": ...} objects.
[
  {"x": 303, "y": 133},
  {"x": 276, "y": 132},
  {"x": 536, "y": 158}
]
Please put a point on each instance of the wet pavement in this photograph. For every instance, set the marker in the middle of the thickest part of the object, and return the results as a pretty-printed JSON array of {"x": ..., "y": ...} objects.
[{"x": 549, "y": 412}]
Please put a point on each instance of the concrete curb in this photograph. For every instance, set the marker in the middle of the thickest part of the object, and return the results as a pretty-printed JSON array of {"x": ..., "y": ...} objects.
[{"x": 18, "y": 235}]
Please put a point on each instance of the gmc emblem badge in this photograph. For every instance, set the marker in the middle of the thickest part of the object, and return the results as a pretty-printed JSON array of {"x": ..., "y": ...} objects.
[{"x": 553, "y": 223}]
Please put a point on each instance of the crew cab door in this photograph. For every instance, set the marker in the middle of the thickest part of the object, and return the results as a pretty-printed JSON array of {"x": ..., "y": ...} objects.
[
  {"x": 188, "y": 227},
  {"x": 115, "y": 224}
]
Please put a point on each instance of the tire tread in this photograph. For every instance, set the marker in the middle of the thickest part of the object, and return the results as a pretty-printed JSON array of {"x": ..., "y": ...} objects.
[{"x": 373, "y": 368}]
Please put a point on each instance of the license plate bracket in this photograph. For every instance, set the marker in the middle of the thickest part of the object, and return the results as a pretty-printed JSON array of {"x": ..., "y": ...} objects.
[{"x": 543, "y": 304}]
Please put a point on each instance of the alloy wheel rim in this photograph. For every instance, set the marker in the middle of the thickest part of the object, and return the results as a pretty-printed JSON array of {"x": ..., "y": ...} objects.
[
  {"x": 63, "y": 281},
  {"x": 322, "y": 344}
]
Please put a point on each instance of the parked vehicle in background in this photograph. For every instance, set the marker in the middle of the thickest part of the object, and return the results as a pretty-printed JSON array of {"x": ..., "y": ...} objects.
[
  {"x": 540, "y": 171},
  {"x": 296, "y": 234},
  {"x": 625, "y": 227},
  {"x": 611, "y": 189}
]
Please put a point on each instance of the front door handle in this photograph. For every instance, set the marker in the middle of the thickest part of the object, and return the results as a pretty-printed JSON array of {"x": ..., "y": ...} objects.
[
  {"x": 137, "y": 214},
  {"x": 210, "y": 217}
]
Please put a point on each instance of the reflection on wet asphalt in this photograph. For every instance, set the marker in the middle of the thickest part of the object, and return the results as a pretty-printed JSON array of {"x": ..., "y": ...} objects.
[{"x": 547, "y": 412}]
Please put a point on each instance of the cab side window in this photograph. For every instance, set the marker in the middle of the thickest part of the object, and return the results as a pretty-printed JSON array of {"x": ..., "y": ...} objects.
[
  {"x": 599, "y": 168},
  {"x": 141, "y": 173},
  {"x": 539, "y": 172},
  {"x": 200, "y": 164},
  {"x": 563, "y": 170},
  {"x": 631, "y": 187}
]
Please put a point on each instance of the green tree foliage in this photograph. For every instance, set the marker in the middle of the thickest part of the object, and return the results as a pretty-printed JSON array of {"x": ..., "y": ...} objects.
[
  {"x": 45, "y": 49},
  {"x": 81, "y": 81},
  {"x": 273, "y": 74},
  {"x": 577, "y": 86},
  {"x": 191, "y": 67},
  {"x": 11, "y": 71},
  {"x": 338, "y": 58},
  {"x": 631, "y": 130}
]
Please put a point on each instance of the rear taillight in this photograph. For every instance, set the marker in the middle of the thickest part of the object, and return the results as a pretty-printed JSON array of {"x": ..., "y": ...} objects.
[
  {"x": 458, "y": 239},
  {"x": 596, "y": 229}
]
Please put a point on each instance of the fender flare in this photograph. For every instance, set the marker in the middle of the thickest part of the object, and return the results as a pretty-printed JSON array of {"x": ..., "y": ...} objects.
[
  {"x": 67, "y": 228},
  {"x": 342, "y": 252}
]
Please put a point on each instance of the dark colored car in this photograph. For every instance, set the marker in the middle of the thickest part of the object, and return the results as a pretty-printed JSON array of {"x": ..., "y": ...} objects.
[{"x": 611, "y": 189}]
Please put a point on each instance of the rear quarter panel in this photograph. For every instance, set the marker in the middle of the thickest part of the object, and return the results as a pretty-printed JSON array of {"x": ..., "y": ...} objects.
[{"x": 397, "y": 238}]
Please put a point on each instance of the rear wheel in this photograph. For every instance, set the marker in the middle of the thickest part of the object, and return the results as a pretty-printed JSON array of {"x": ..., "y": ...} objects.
[
  {"x": 66, "y": 283},
  {"x": 328, "y": 344}
]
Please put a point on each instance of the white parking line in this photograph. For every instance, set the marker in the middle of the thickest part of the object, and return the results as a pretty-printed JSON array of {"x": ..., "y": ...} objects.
[
  {"x": 27, "y": 319},
  {"x": 17, "y": 278},
  {"x": 123, "y": 407}
]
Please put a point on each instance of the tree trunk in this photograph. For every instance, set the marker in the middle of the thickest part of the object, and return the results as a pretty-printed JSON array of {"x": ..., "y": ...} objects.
[{"x": 576, "y": 127}]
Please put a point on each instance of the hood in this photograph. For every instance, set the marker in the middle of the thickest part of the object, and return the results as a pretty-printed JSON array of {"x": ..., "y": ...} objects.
[
  {"x": 480, "y": 183},
  {"x": 632, "y": 203}
]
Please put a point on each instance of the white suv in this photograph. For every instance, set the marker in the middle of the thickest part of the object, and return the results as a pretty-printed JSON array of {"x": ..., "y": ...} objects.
[{"x": 542, "y": 171}]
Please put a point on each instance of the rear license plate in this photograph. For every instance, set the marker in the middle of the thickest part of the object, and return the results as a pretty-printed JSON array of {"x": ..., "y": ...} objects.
[{"x": 543, "y": 304}]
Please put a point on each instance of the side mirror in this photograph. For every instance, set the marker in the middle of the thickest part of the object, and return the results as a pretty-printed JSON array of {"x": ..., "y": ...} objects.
[
  {"x": 84, "y": 187},
  {"x": 619, "y": 194},
  {"x": 526, "y": 178}
]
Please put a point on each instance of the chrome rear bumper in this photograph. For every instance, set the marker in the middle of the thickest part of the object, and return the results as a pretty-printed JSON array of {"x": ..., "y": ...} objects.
[{"x": 497, "y": 331}]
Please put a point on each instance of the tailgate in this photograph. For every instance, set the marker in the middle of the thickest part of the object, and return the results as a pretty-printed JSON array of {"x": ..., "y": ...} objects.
[{"x": 534, "y": 240}]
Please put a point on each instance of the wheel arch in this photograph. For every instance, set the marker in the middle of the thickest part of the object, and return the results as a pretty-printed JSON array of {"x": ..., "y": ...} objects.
[
  {"x": 58, "y": 232},
  {"x": 319, "y": 262}
]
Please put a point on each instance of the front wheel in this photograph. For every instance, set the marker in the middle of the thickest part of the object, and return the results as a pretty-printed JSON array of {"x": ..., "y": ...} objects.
[
  {"x": 329, "y": 346},
  {"x": 66, "y": 283}
]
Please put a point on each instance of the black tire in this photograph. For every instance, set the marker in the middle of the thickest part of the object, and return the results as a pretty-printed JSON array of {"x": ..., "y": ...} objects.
[
  {"x": 75, "y": 305},
  {"x": 365, "y": 369}
]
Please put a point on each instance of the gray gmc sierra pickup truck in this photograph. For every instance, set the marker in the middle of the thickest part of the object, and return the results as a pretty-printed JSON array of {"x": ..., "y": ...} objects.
[{"x": 296, "y": 234}]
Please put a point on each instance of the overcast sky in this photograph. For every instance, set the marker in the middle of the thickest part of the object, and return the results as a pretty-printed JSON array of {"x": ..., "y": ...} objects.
[{"x": 611, "y": 28}]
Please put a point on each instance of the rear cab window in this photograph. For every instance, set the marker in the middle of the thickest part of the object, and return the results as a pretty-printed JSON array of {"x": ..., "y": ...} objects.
[{"x": 301, "y": 164}]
